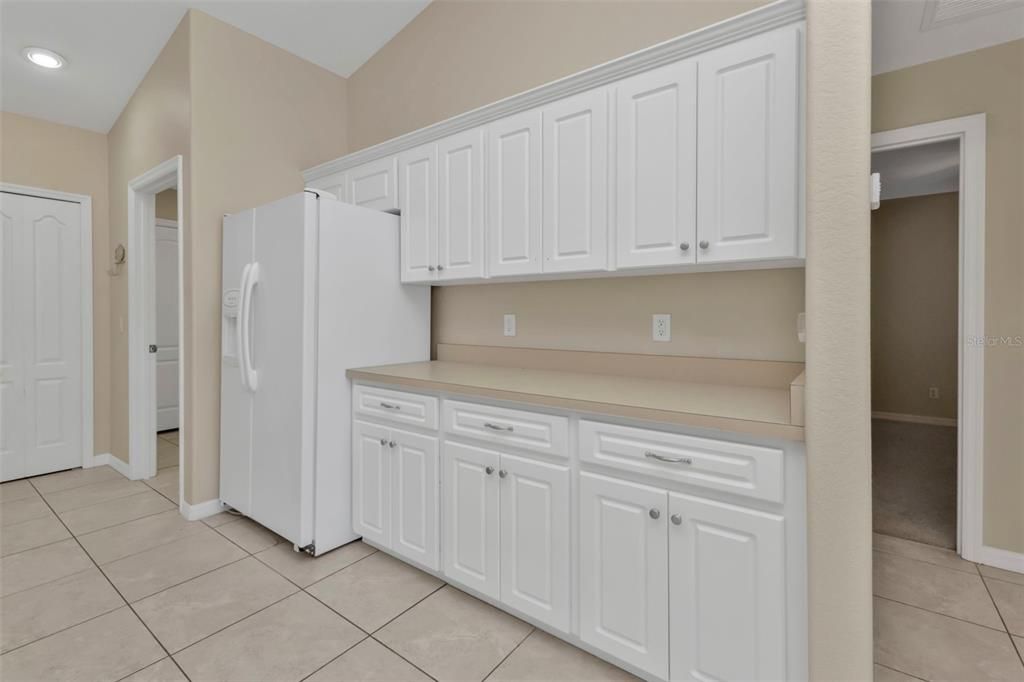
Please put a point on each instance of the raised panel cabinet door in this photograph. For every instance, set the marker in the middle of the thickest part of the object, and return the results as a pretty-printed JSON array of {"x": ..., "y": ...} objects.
[
  {"x": 535, "y": 539},
  {"x": 575, "y": 215},
  {"x": 514, "y": 195},
  {"x": 460, "y": 206},
  {"x": 748, "y": 197},
  {"x": 471, "y": 532},
  {"x": 335, "y": 183},
  {"x": 728, "y": 591},
  {"x": 371, "y": 482},
  {"x": 657, "y": 167},
  {"x": 417, "y": 185},
  {"x": 623, "y": 570},
  {"x": 373, "y": 185},
  {"x": 414, "y": 510}
]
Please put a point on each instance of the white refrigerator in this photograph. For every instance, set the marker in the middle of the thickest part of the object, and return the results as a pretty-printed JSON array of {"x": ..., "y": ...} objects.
[{"x": 310, "y": 289}]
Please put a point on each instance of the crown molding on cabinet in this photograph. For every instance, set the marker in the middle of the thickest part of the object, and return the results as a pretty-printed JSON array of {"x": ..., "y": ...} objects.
[{"x": 760, "y": 20}]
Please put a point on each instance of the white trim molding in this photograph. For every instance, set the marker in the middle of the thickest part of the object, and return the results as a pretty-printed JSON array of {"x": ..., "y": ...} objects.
[
  {"x": 970, "y": 131},
  {"x": 85, "y": 206},
  {"x": 775, "y": 15},
  {"x": 914, "y": 418},
  {"x": 202, "y": 510},
  {"x": 112, "y": 461}
]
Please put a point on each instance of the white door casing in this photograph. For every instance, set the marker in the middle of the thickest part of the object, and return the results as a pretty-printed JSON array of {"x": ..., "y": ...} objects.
[
  {"x": 460, "y": 206},
  {"x": 471, "y": 507},
  {"x": 166, "y": 266},
  {"x": 514, "y": 171}
]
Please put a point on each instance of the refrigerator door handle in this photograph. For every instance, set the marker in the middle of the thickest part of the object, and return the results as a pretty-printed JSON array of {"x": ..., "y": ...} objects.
[
  {"x": 240, "y": 342},
  {"x": 250, "y": 378}
]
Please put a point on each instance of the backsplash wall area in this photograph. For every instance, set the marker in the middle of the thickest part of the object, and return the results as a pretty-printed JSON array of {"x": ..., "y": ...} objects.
[{"x": 748, "y": 314}]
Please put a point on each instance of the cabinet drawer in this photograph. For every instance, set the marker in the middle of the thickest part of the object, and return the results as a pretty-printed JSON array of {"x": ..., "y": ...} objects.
[
  {"x": 750, "y": 470},
  {"x": 396, "y": 406},
  {"x": 544, "y": 433}
]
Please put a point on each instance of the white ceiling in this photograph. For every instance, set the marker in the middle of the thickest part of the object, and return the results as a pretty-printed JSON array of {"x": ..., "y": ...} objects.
[
  {"x": 110, "y": 45},
  {"x": 909, "y": 32},
  {"x": 916, "y": 171}
]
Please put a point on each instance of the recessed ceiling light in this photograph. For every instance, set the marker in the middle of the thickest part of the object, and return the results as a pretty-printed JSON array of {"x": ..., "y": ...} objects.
[{"x": 47, "y": 59}]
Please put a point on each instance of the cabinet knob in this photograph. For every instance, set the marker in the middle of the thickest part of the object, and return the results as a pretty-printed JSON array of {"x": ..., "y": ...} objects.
[
  {"x": 383, "y": 441},
  {"x": 676, "y": 519},
  {"x": 704, "y": 244},
  {"x": 392, "y": 444},
  {"x": 430, "y": 267},
  {"x": 685, "y": 246},
  {"x": 440, "y": 268},
  {"x": 489, "y": 470},
  {"x": 503, "y": 473},
  {"x": 655, "y": 514}
]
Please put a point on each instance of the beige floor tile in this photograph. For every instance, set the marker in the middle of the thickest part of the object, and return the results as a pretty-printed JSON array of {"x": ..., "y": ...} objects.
[
  {"x": 249, "y": 535},
  {"x": 929, "y": 553},
  {"x": 13, "y": 512},
  {"x": 162, "y": 671},
  {"x": 185, "y": 614},
  {"x": 953, "y": 593},
  {"x": 304, "y": 570},
  {"x": 452, "y": 636},
  {"x": 542, "y": 657},
  {"x": 146, "y": 573},
  {"x": 93, "y": 493},
  {"x": 373, "y": 591},
  {"x": 31, "y": 534},
  {"x": 33, "y": 614},
  {"x": 1019, "y": 642},
  {"x": 163, "y": 477},
  {"x": 221, "y": 518},
  {"x": 106, "y": 514},
  {"x": 883, "y": 674},
  {"x": 170, "y": 436},
  {"x": 935, "y": 647},
  {"x": 16, "y": 490},
  {"x": 1000, "y": 574},
  {"x": 368, "y": 661},
  {"x": 105, "y": 648},
  {"x": 286, "y": 641},
  {"x": 169, "y": 491},
  {"x": 117, "y": 542},
  {"x": 34, "y": 567},
  {"x": 1009, "y": 599},
  {"x": 166, "y": 454},
  {"x": 75, "y": 478}
]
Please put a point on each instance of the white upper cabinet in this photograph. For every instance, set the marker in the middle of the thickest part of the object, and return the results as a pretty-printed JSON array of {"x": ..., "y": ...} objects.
[
  {"x": 575, "y": 215},
  {"x": 373, "y": 185},
  {"x": 514, "y": 195},
  {"x": 417, "y": 173},
  {"x": 657, "y": 167},
  {"x": 460, "y": 206},
  {"x": 748, "y": 187},
  {"x": 335, "y": 183}
]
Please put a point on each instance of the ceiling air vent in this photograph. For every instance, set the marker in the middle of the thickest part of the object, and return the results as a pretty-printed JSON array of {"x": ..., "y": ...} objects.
[{"x": 939, "y": 13}]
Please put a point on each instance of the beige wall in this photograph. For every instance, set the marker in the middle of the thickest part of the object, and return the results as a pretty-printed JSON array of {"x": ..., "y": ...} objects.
[
  {"x": 167, "y": 204},
  {"x": 838, "y": 393},
  {"x": 153, "y": 127},
  {"x": 914, "y": 281},
  {"x": 989, "y": 81},
  {"x": 52, "y": 156},
  {"x": 260, "y": 116}
]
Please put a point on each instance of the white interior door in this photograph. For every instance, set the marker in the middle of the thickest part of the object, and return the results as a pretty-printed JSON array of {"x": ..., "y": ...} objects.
[
  {"x": 167, "y": 354},
  {"x": 41, "y": 352}
]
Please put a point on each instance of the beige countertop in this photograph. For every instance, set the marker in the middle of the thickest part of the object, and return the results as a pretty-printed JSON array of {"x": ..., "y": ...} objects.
[{"x": 757, "y": 410}]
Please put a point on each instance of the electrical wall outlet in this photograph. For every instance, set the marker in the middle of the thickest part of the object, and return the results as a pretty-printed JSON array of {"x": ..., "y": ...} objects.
[
  {"x": 661, "y": 328},
  {"x": 933, "y": 392},
  {"x": 510, "y": 324}
]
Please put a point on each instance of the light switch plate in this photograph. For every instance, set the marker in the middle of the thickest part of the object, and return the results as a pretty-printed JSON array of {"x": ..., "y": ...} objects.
[
  {"x": 661, "y": 328},
  {"x": 510, "y": 324}
]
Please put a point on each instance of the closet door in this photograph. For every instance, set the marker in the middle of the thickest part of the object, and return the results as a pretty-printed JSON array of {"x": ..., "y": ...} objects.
[
  {"x": 460, "y": 206},
  {"x": 471, "y": 533},
  {"x": 417, "y": 172},
  {"x": 41, "y": 316},
  {"x": 576, "y": 183},
  {"x": 514, "y": 195},
  {"x": 657, "y": 167},
  {"x": 414, "y": 511},
  {"x": 167, "y": 354},
  {"x": 748, "y": 151}
]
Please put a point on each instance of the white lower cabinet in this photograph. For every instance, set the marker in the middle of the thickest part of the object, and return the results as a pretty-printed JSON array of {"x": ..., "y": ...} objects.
[
  {"x": 623, "y": 578},
  {"x": 371, "y": 477},
  {"x": 728, "y": 591},
  {"x": 471, "y": 532}
]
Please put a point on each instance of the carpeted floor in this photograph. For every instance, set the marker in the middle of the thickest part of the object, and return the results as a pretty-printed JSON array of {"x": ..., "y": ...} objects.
[{"x": 914, "y": 479}]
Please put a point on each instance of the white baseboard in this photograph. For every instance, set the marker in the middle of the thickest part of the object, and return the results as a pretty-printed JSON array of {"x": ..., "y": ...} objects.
[
  {"x": 914, "y": 418},
  {"x": 110, "y": 460},
  {"x": 1000, "y": 558},
  {"x": 194, "y": 512}
]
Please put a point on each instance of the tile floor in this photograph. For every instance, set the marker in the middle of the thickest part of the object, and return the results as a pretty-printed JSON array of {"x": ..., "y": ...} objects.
[{"x": 102, "y": 579}]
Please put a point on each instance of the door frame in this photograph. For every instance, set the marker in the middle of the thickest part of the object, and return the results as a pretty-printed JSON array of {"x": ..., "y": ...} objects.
[
  {"x": 84, "y": 201},
  {"x": 142, "y": 193},
  {"x": 970, "y": 132}
]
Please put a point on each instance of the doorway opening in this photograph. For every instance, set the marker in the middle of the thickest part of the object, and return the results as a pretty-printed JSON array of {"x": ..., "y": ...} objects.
[{"x": 155, "y": 336}]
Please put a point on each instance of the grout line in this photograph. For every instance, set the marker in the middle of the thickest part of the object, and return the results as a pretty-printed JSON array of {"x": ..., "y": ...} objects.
[
  {"x": 944, "y": 615},
  {"x": 412, "y": 606},
  {"x": 385, "y": 645},
  {"x": 48, "y": 582},
  {"x": 256, "y": 556},
  {"x": 1009, "y": 634},
  {"x": 925, "y": 561},
  {"x": 29, "y": 549},
  {"x": 233, "y": 623},
  {"x": 141, "y": 551},
  {"x": 514, "y": 649},
  {"x": 306, "y": 677},
  {"x": 73, "y": 625},
  {"x": 119, "y": 523},
  {"x": 901, "y": 672}
]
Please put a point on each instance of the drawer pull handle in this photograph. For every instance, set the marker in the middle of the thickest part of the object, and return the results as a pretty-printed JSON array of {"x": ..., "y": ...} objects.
[
  {"x": 670, "y": 460},
  {"x": 389, "y": 406},
  {"x": 497, "y": 427}
]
